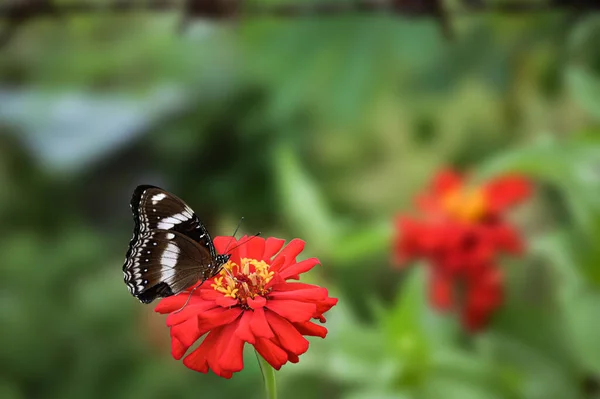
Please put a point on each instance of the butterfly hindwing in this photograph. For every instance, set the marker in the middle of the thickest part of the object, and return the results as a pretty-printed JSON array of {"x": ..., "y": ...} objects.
[{"x": 164, "y": 263}]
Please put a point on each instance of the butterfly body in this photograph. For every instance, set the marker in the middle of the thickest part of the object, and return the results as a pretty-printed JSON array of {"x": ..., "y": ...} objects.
[{"x": 170, "y": 250}]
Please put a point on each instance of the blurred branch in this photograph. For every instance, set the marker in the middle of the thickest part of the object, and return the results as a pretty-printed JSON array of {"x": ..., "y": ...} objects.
[{"x": 17, "y": 12}]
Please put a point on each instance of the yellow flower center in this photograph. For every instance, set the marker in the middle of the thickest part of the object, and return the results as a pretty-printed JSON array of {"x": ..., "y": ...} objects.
[
  {"x": 244, "y": 281},
  {"x": 468, "y": 205}
]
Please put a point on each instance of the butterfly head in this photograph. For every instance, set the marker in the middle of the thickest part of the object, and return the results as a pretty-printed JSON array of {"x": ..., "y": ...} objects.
[{"x": 220, "y": 261}]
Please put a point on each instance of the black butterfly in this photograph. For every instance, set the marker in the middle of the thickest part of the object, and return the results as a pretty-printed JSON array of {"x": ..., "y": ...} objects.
[{"x": 170, "y": 250}]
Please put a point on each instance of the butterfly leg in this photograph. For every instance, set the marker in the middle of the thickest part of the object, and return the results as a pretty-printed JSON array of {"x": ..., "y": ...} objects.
[{"x": 189, "y": 297}]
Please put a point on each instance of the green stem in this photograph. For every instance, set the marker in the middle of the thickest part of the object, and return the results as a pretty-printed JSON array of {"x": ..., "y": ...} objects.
[{"x": 268, "y": 374}]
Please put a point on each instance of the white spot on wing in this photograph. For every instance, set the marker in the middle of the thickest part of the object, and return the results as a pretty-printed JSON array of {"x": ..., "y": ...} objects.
[
  {"x": 168, "y": 222},
  {"x": 167, "y": 275},
  {"x": 165, "y": 226},
  {"x": 158, "y": 197},
  {"x": 168, "y": 259}
]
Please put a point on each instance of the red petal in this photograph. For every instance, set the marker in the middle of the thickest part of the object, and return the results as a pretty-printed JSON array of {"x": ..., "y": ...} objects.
[
  {"x": 189, "y": 311},
  {"x": 324, "y": 306},
  {"x": 243, "y": 330},
  {"x": 175, "y": 302},
  {"x": 256, "y": 248},
  {"x": 287, "y": 335},
  {"x": 210, "y": 294},
  {"x": 507, "y": 239},
  {"x": 198, "y": 359},
  {"x": 188, "y": 332},
  {"x": 441, "y": 291},
  {"x": 482, "y": 251},
  {"x": 506, "y": 191},
  {"x": 257, "y": 302},
  {"x": 177, "y": 348},
  {"x": 446, "y": 180},
  {"x": 293, "y": 358},
  {"x": 242, "y": 247},
  {"x": 277, "y": 264},
  {"x": 226, "y": 301},
  {"x": 484, "y": 296},
  {"x": 277, "y": 279},
  {"x": 272, "y": 353},
  {"x": 485, "y": 291},
  {"x": 221, "y": 243},
  {"x": 230, "y": 352},
  {"x": 259, "y": 325},
  {"x": 291, "y": 250},
  {"x": 312, "y": 294},
  {"x": 311, "y": 329},
  {"x": 217, "y": 317},
  {"x": 294, "y": 311},
  {"x": 225, "y": 244},
  {"x": 272, "y": 246},
  {"x": 419, "y": 238},
  {"x": 293, "y": 271},
  {"x": 293, "y": 286},
  {"x": 221, "y": 351}
]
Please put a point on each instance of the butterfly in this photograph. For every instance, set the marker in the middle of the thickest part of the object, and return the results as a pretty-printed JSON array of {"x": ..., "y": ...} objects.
[{"x": 170, "y": 250}]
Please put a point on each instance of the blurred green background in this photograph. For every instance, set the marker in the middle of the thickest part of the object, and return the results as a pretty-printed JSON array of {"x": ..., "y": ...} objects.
[{"x": 318, "y": 128}]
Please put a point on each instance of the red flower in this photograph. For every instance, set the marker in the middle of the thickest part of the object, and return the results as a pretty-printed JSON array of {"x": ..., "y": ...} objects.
[
  {"x": 250, "y": 300},
  {"x": 476, "y": 296},
  {"x": 461, "y": 230}
]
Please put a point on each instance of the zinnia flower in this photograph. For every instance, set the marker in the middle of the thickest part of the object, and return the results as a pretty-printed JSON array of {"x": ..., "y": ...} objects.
[
  {"x": 461, "y": 230},
  {"x": 249, "y": 301}
]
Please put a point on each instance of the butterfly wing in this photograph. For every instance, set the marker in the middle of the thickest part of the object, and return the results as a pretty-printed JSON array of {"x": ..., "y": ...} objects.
[
  {"x": 170, "y": 249},
  {"x": 163, "y": 263},
  {"x": 154, "y": 208}
]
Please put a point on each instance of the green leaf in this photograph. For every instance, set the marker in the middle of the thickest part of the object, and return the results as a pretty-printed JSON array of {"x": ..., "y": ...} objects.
[
  {"x": 362, "y": 243},
  {"x": 583, "y": 326},
  {"x": 585, "y": 88},
  {"x": 301, "y": 201},
  {"x": 453, "y": 388},
  {"x": 582, "y": 73},
  {"x": 411, "y": 330},
  {"x": 352, "y": 354}
]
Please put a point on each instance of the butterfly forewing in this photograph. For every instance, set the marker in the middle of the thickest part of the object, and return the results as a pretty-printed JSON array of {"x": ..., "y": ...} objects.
[
  {"x": 155, "y": 208},
  {"x": 170, "y": 250}
]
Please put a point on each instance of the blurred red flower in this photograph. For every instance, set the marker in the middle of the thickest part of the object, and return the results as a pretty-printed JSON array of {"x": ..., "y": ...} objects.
[
  {"x": 258, "y": 305},
  {"x": 460, "y": 230}
]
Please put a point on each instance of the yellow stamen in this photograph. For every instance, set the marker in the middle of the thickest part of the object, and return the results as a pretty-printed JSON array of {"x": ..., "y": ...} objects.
[
  {"x": 249, "y": 280},
  {"x": 465, "y": 204}
]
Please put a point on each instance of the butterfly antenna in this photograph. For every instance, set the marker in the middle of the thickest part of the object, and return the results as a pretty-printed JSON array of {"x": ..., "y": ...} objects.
[
  {"x": 230, "y": 274},
  {"x": 189, "y": 297},
  {"x": 234, "y": 233},
  {"x": 245, "y": 242}
]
